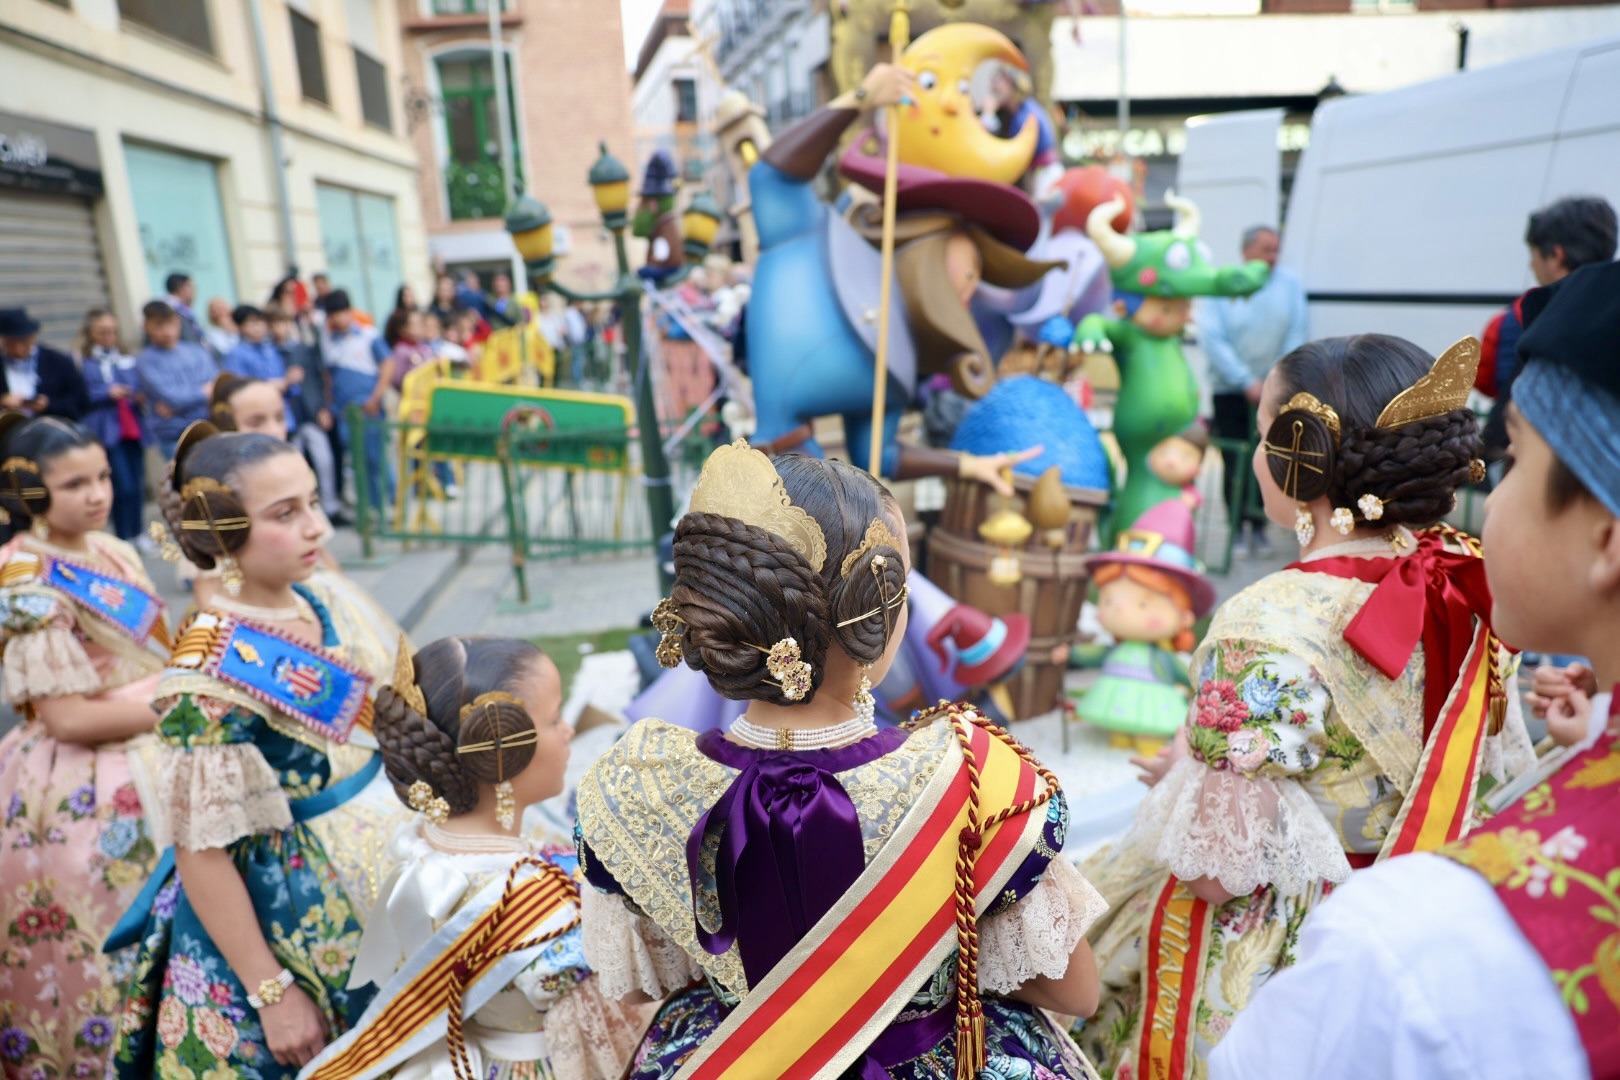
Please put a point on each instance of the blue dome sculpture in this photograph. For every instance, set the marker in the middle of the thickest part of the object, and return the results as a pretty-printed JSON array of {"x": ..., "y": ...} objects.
[{"x": 1026, "y": 411}]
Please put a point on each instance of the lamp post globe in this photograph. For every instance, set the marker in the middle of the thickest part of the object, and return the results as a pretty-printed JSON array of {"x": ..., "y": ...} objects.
[
  {"x": 529, "y": 224},
  {"x": 610, "y": 184}
]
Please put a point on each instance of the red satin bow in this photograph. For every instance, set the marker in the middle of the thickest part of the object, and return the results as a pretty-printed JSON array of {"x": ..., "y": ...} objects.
[{"x": 1432, "y": 595}]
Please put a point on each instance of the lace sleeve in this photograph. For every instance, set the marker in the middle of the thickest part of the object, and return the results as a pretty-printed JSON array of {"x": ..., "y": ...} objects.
[
  {"x": 1039, "y": 933},
  {"x": 1510, "y": 752},
  {"x": 590, "y": 1036},
  {"x": 628, "y": 951},
  {"x": 43, "y": 658},
  {"x": 217, "y": 794}
]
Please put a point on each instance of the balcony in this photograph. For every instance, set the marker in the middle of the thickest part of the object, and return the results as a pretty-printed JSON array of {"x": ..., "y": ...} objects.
[{"x": 474, "y": 189}]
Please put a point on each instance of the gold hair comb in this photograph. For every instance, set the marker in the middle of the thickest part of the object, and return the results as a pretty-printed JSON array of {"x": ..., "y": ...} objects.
[
  {"x": 405, "y": 679},
  {"x": 483, "y": 701},
  {"x": 1308, "y": 403},
  {"x": 1444, "y": 389},
  {"x": 740, "y": 482},
  {"x": 877, "y": 535}
]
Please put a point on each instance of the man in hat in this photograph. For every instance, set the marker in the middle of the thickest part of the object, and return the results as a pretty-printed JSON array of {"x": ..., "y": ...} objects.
[
  {"x": 1498, "y": 955},
  {"x": 656, "y": 220},
  {"x": 35, "y": 378}
]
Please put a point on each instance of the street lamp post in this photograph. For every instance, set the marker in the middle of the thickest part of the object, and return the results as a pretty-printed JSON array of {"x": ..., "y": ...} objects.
[{"x": 530, "y": 225}]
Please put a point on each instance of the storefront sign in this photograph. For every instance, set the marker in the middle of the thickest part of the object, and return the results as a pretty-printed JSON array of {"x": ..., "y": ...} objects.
[
  {"x": 41, "y": 156},
  {"x": 1170, "y": 140}
]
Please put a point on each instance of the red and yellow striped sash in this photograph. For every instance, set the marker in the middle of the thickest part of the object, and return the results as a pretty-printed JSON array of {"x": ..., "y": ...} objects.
[
  {"x": 844, "y": 983},
  {"x": 1437, "y": 807},
  {"x": 504, "y": 928},
  {"x": 1178, "y": 939}
]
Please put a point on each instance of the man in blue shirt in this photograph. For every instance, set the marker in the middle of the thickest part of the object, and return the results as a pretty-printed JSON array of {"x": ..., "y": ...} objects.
[
  {"x": 361, "y": 368},
  {"x": 255, "y": 356},
  {"x": 174, "y": 377},
  {"x": 1242, "y": 338}
]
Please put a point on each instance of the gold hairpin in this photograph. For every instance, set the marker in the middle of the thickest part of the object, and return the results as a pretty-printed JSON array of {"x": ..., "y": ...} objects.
[
  {"x": 405, "y": 679},
  {"x": 483, "y": 701},
  {"x": 877, "y": 535},
  {"x": 1443, "y": 389},
  {"x": 14, "y": 465},
  {"x": 522, "y": 738},
  {"x": 420, "y": 797},
  {"x": 740, "y": 482},
  {"x": 1294, "y": 456},
  {"x": 1309, "y": 403},
  {"x": 667, "y": 621},
  {"x": 885, "y": 605},
  {"x": 199, "y": 488}
]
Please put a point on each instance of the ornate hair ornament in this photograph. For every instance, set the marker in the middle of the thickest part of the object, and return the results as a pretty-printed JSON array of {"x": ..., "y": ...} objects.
[
  {"x": 1296, "y": 456},
  {"x": 404, "y": 683},
  {"x": 877, "y": 535},
  {"x": 1309, "y": 403},
  {"x": 505, "y": 801},
  {"x": 197, "y": 490},
  {"x": 886, "y": 603},
  {"x": 740, "y": 482},
  {"x": 420, "y": 797},
  {"x": 788, "y": 667},
  {"x": 1442, "y": 390},
  {"x": 12, "y": 466},
  {"x": 667, "y": 621}
]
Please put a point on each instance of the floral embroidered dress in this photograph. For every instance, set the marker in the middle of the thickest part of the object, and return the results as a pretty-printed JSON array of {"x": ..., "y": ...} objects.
[
  {"x": 305, "y": 820},
  {"x": 74, "y": 849},
  {"x": 638, "y": 808},
  {"x": 549, "y": 1020},
  {"x": 1301, "y": 755}
]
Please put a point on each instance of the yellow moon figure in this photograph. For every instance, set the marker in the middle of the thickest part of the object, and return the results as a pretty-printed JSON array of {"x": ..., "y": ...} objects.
[{"x": 941, "y": 130}]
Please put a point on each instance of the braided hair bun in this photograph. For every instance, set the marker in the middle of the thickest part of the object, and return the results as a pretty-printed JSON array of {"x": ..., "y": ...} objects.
[
  {"x": 457, "y": 693},
  {"x": 1414, "y": 470},
  {"x": 740, "y": 589}
]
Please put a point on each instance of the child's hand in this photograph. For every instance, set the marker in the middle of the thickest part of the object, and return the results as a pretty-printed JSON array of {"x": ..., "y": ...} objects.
[
  {"x": 1155, "y": 768},
  {"x": 1569, "y": 718}
]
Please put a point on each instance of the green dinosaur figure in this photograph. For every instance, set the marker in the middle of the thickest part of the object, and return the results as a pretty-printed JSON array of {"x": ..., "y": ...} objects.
[{"x": 1155, "y": 276}]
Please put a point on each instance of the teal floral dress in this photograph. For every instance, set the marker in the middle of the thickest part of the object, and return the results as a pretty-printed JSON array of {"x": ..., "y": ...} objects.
[{"x": 247, "y": 779}]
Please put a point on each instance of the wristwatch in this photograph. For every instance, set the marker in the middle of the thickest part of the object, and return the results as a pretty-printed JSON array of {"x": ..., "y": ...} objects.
[{"x": 271, "y": 990}]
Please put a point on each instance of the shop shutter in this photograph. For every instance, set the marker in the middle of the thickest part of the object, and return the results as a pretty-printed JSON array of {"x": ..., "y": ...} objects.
[{"x": 50, "y": 262}]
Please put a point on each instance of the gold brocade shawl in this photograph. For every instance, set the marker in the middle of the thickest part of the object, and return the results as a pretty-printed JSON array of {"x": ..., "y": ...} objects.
[
  {"x": 1305, "y": 614},
  {"x": 640, "y": 802}
]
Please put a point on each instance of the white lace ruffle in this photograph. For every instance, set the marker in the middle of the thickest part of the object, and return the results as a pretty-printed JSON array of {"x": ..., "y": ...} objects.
[
  {"x": 217, "y": 794},
  {"x": 591, "y": 1037},
  {"x": 1243, "y": 831},
  {"x": 628, "y": 951},
  {"x": 1038, "y": 934},
  {"x": 46, "y": 663}
]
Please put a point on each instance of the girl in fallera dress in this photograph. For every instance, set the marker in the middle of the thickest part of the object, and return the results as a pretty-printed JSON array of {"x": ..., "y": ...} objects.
[
  {"x": 846, "y": 900},
  {"x": 84, "y": 639},
  {"x": 1335, "y": 702},
  {"x": 471, "y": 733},
  {"x": 273, "y": 791}
]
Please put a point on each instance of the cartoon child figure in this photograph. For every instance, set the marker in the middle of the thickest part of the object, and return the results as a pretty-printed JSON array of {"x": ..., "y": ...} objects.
[
  {"x": 1150, "y": 591},
  {"x": 1179, "y": 459}
]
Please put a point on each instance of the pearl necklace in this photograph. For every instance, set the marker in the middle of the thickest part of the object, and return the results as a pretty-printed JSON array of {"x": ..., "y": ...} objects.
[
  {"x": 763, "y": 738},
  {"x": 300, "y": 609}
]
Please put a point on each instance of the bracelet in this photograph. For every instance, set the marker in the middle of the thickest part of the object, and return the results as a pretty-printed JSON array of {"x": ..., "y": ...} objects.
[{"x": 271, "y": 990}]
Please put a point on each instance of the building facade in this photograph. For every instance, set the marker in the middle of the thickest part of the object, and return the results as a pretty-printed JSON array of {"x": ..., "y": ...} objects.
[
  {"x": 141, "y": 137},
  {"x": 568, "y": 91},
  {"x": 674, "y": 90}
]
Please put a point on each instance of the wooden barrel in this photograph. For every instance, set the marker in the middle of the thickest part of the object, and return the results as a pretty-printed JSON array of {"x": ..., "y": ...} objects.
[{"x": 1050, "y": 594}]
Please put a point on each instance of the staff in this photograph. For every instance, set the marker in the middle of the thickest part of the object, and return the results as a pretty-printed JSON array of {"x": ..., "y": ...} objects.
[{"x": 899, "y": 38}]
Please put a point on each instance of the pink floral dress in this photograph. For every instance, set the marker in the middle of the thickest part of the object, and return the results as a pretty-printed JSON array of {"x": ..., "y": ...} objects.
[{"x": 74, "y": 847}]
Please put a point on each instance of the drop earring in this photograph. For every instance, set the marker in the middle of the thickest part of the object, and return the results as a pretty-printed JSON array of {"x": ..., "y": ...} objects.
[
  {"x": 1304, "y": 526},
  {"x": 865, "y": 703},
  {"x": 505, "y": 804},
  {"x": 41, "y": 530},
  {"x": 230, "y": 576}
]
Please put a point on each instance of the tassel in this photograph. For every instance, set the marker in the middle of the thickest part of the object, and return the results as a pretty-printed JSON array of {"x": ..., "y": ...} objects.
[{"x": 970, "y": 1051}]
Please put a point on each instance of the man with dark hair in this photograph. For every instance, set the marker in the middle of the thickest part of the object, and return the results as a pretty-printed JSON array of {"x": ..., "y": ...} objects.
[
  {"x": 1562, "y": 237},
  {"x": 173, "y": 376},
  {"x": 182, "y": 293},
  {"x": 35, "y": 378}
]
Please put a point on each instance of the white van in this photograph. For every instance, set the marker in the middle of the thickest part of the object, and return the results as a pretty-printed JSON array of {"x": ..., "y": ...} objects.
[{"x": 1408, "y": 209}]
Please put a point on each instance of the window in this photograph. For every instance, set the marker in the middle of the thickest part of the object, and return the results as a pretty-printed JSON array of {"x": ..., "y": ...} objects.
[
  {"x": 361, "y": 246},
  {"x": 472, "y": 175},
  {"x": 686, "y": 105},
  {"x": 181, "y": 220},
  {"x": 186, "y": 21},
  {"x": 311, "y": 69},
  {"x": 465, "y": 7},
  {"x": 373, "y": 91}
]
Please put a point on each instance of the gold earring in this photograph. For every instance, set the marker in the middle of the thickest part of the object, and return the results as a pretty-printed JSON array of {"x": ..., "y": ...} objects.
[
  {"x": 1343, "y": 520},
  {"x": 865, "y": 703},
  {"x": 165, "y": 541},
  {"x": 1304, "y": 526},
  {"x": 41, "y": 530},
  {"x": 419, "y": 796},
  {"x": 1476, "y": 471},
  {"x": 505, "y": 804},
  {"x": 230, "y": 576}
]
